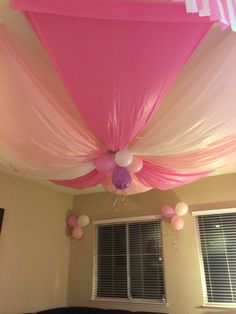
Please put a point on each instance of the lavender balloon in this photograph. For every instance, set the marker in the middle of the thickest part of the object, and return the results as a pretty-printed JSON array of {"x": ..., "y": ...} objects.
[
  {"x": 105, "y": 163},
  {"x": 121, "y": 178}
]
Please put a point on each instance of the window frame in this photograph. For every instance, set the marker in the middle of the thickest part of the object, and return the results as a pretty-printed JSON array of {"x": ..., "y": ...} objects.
[
  {"x": 195, "y": 214},
  {"x": 125, "y": 220},
  {"x": 2, "y": 210}
]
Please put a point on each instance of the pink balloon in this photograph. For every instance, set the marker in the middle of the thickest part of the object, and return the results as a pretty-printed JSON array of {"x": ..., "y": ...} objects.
[
  {"x": 72, "y": 221},
  {"x": 136, "y": 165},
  {"x": 77, "y": 233},
  {"x": 177, "y": 223},
  {"x": 105, "y": 163},
  {"x": 167, "y": 212}
]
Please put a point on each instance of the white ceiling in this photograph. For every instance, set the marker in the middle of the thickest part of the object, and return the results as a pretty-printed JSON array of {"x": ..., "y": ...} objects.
[{"x": 16, "y": 21}]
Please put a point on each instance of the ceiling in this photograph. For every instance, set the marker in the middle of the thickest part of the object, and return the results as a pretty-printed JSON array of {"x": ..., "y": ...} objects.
[{"x": 16, "y": 22}]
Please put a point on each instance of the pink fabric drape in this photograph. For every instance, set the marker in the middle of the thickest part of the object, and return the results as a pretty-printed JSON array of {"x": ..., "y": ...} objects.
[
  {"x": 164, "y": 178},
  {"x": 91, "y": 179},
  {"x": 118, "y": 68},
  {"x": 145, "y": 11}
]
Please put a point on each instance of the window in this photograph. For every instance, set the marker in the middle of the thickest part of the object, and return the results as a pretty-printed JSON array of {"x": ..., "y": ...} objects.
[
  {"x": 217, "y": 243},
  {"x": 129, "y": 261}
]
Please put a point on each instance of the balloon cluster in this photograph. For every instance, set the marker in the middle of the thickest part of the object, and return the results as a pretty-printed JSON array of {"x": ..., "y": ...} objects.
[
  {"x": 120, "y": 165},
  {"x": 174, "y": 215},
  {"x": 76, "y": 224}
]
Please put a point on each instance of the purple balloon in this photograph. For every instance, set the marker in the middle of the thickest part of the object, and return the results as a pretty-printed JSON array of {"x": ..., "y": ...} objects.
[{"x": 121, "y": 178}]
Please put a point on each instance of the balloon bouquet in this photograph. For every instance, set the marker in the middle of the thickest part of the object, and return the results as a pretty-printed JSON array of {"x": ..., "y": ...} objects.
[
  {"x": 121, "y": 164},
  {"x": 174, "y": 215},
  {"x": 76, "y": 225}
]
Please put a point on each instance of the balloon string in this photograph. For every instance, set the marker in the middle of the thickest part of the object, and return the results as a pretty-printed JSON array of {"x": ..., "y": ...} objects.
[
  {"x": 115, "y": 202},
  {"x": 125, "y": 198},
  {"x": 175, "y": 238},
  {"x": 120, "y": 200},
  {"x": 73, "y": 244}
]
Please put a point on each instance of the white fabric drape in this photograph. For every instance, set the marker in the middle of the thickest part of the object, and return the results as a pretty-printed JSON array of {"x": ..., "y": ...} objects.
[
  {"x": 201, "y": 106},
  {"x": 41, "y": 132}
]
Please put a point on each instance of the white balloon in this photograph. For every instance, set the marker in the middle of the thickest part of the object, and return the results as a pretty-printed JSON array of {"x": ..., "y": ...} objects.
[
  {"x": 181, "y": 209},
  {"x": 83, "y": 220},
  {"x": 123, "y": 158}
]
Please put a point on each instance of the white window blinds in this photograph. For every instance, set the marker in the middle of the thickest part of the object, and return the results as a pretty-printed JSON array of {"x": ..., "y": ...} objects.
[
  {"x": 217, "y": 239},
  {"x": 129, "y": 261},
  {"x": 111, "y": 261}
]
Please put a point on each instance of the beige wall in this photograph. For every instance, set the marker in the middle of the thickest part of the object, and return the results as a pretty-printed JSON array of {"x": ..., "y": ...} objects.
[
  {"x": 211, "y": 192},
  {"x": 183, "y": 281},
  {"x": 34, "y": 250}
]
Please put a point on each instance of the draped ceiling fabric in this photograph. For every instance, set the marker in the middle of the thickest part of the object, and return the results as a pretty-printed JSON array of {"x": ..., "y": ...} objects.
[
  {"x": 201, "y": 115},
  {"x": 41, "y": 131},
  {"x": 117, "y": 61}
]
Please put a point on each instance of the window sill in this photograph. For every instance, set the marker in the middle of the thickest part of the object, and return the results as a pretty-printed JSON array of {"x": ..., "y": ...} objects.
[
  {"x": 219, "y": 305},
  {"x": 133, "y": 301}
]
